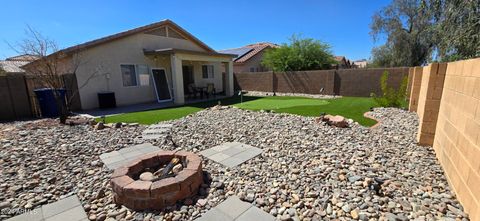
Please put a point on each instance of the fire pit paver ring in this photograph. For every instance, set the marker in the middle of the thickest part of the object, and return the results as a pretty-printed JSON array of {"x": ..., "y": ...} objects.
[{"x": 142, "y": 195}]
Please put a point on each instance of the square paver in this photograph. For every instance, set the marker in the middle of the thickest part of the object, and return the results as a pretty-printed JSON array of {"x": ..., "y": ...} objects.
[
  {"x": 232, "y": 162},
  {"x": 69, "y": 208},
  {"x": 233, "y": 206},
  {"x": 76, "y": 213},
  {"x": 214, "y": 215},
  {"x": 218, "y": 157},
  {"x": 233, "y": 209},
  {"x": 112, "y": 160},
  {"x": 231, "y": 154},
  {"x": 247, "y": 155},
  {"x": 132, "y": 154},
  {"x": 60, "y": 206},
  {"x": 221, "y": 147},
  {"x": 208, "y": 152},
  {"x": 109, "y": 155},
  {"x": 232, "y": 151},
  {"x": 115, "y": 159},
  {"x": 34, "y": 215},
  {"x": 254, "y": 213}
]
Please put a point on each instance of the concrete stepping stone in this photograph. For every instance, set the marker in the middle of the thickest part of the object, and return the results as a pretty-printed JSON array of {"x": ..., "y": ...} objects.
[
  {"x": 69, "y": 208},
  {"x": 113, "y": 160},
  {"x": 231, "y": 154},
  {"x": 156, "y": 131},
  {"x": 234, "y": 209}
]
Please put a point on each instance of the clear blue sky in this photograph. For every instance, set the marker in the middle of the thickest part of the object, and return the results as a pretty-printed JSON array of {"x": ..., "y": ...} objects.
[{"x": 344, "y": 24}]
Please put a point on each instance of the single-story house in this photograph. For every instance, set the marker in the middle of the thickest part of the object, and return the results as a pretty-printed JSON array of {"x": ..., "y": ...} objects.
[
  {"x": 249, "y": 57},
  {"x": 343, "y": 62},
  {"x": 360, "y": 63},
  {"x": 158, "y": 62}
]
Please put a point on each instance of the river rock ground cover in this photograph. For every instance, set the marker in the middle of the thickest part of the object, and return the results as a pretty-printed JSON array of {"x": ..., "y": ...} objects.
[{"x": 307, "y": 171}]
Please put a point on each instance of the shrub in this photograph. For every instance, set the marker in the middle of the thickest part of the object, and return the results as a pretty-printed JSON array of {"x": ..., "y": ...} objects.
[{"x": 390, "y": 96}]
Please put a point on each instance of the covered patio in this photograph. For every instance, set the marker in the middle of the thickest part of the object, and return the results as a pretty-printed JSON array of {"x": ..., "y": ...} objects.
[{"x": 184, "y": 75}]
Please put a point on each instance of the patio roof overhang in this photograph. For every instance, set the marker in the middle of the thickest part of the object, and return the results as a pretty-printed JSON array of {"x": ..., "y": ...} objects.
[{"x": 169, "y": 51}]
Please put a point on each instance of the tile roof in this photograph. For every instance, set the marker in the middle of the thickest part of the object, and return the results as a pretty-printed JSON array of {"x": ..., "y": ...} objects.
[
  {"x": 256, "y": 48},
  {"x": 23, "y": 57},
  {"x": 13, "y": 66},
  {"x": 130, "y": 32}
]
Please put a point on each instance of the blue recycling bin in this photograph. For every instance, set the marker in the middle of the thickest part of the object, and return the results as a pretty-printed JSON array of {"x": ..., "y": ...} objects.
[{"x": 47, "y": 102}]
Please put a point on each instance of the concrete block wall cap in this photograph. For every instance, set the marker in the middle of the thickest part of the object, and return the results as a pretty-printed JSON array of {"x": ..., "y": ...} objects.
[
  {"x": 148, "y": 156},
  {"x": 194, "y": 164},
  {"x": 185, "y": 175},
  {"x": 138, "y": 189},
  {"x": 164, "y": 186},
  {"x": 121, "y": 171},
  {"x": 165, "y": 153},
  {"x": 119, "y": 183}
]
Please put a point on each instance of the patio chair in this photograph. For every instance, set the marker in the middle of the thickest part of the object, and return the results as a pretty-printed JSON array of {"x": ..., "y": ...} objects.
[
  {"x": 192, "y": 90},
  {"x": 210, "y": 90}
]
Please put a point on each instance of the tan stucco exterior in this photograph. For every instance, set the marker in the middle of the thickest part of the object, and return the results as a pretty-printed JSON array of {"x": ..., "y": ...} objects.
[{"x": 104, "y": 62}]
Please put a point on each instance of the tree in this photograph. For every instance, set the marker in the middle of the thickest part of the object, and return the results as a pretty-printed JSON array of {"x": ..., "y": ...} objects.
[
  {"x": 407, "y": 25},
  {"x": 458, "y": 28},
  {"x": 418, "y": 31},
  {"x": 299, "y": 55},
  {"x": 50, "y": 67}
]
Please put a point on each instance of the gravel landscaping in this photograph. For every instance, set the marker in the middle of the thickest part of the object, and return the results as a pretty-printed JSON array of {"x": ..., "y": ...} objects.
[{"x": 307, "y": 171}]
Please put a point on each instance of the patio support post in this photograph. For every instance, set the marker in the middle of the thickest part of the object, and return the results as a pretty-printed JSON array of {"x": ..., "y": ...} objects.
[
  {"x": 229, "y": 80},
  {"x": 177, "y": 77}
]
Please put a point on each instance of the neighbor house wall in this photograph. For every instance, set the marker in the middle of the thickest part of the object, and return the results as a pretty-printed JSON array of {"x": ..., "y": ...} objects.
[
  {"x": 346, "y": 82},
  {"x": 108, "y": 57},
  {"x": 457, "y": 135}
]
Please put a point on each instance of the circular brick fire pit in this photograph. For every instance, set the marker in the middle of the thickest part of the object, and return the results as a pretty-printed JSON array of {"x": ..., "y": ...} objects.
[{"x": 141, "y": 195}]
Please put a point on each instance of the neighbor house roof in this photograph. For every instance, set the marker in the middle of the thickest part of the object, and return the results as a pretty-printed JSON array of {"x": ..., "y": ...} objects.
[
  {"x": 14, "y": 64},
  {"x": 248, "y": 51},
  {"x": 340, "y": 58},
  {"x": 130, "y": 32}
]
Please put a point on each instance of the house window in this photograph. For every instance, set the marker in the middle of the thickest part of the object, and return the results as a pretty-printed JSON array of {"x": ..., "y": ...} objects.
[
  {"x": 252, "y": 69},
  {"x": 129, "y": 75},
  {"x": 207, "y": 71},
  {"x": 143, "y": 75}
]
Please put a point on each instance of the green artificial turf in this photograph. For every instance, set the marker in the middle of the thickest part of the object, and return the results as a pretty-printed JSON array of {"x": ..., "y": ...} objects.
[
  {"x": 349, "y": 107},
  {"x": 153, "y": 116}
]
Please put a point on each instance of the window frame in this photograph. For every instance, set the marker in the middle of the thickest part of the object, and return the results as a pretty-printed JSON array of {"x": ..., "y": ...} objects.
[
  {"x": 149, "y": 73},
  {"x": 136, "y": 75},
  {"x": 213, "y": 71}
]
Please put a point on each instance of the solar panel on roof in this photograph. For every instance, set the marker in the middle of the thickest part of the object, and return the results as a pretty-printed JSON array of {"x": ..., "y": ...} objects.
[{"x": 238, "y": 51}]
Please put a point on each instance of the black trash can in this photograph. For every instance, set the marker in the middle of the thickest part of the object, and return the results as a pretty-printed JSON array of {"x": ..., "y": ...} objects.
[
  {"x": 48, "y": 104},
  {"x": 106, "y": 99}
]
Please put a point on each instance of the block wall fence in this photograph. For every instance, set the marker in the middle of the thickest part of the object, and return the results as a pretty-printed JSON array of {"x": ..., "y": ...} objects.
[
  {"x": 446, "y": 98},
  {"x": 345, "y": 82}
]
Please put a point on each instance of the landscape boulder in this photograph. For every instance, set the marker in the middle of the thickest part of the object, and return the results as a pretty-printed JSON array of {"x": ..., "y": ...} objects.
[{"x": 337, "y": 120}]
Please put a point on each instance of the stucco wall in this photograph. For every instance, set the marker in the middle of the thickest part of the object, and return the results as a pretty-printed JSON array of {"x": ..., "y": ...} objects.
[{"x": 106, "y": 58}]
